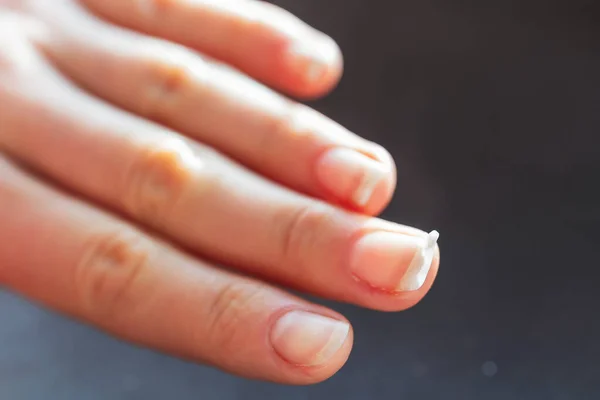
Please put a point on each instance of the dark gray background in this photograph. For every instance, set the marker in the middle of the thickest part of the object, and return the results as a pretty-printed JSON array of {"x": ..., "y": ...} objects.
[{"x": 491, "y": 110}]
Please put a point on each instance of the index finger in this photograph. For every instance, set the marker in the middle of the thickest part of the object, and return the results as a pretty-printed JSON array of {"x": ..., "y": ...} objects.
[{"x": 256, "y": 37}]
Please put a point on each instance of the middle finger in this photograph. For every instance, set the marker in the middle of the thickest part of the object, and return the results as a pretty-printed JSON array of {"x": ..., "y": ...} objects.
[
  {"x": 210, "y": 204},
  {"x": 222, "y": 108}
]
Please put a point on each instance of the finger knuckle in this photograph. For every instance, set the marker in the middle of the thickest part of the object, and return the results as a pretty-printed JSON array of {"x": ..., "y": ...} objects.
[
  {"x": 235, "y": 304},
  {"x": 301, "y": 230},
  {"x": 171, "y": 70},
  {"x": 107, "y": 272},
  {"x": 293, "y": 122},
  {"x": 288, "y": 128},
  {"x": 158, "y": 179}
]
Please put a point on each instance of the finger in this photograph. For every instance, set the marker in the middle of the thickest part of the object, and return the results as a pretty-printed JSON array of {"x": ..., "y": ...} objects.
[
  {"x": 211, "y": 205},
  {"x": 61, "y": 252},
  {"x": 289, "y": 143},
  {"x": 259, "y": 38}
]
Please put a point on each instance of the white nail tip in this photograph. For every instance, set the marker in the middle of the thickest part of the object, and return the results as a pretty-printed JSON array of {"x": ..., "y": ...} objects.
[
  {"x": 335, "y": 342},
  {"x": 417, "y": 272},
  {"x": 369, "y": 183},
  {"x": 432, "y": 239}
]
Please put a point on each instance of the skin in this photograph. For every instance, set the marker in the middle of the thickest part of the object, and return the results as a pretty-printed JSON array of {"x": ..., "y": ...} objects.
[{"x": 156, "y": 182}]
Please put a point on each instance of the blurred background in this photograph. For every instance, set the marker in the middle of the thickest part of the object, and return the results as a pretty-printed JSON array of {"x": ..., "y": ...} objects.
[{"x": 491, "y": 109}]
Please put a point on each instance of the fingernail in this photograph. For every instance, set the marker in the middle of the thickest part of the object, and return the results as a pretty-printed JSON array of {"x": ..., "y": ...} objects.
[
  {"x": 393, "y": 261},
  {"x": 313, "y": 55},
  {"x": 309, "y": 339},
  {"x": 350, "y": 175}
]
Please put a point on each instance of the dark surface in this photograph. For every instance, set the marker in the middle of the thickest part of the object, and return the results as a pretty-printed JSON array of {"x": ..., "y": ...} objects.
[{"x": 491, "y": 110}]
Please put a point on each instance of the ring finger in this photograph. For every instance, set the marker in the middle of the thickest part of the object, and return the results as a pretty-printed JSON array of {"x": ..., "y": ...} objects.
[{"x": 78, "y": 260}]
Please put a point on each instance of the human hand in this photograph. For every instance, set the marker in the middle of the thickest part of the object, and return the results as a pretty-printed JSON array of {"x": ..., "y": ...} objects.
[{"x": 150, "y": 186}]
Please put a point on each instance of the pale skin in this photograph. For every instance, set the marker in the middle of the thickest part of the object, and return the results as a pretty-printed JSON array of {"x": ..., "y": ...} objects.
[{"x": 158, "y": 182}]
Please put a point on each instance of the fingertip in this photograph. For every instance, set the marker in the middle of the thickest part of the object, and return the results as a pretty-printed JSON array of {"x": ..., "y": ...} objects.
[
  {"x": 362, "y": 181},
  {"x": 312, "y": 66},
  {"x": 393, "y": 270},
  {"x": 381, "y": 194},
  {"x": 327, "y": 371},
  {"x": 410, "y": 299},
  {"x": 313, "y": 346}
]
